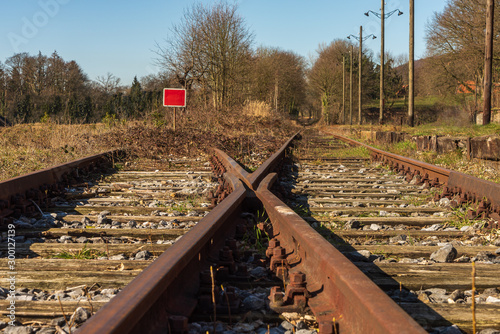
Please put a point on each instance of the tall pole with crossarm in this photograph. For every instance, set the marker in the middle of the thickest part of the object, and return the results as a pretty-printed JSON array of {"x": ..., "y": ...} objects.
[
  {"x": 350, "y": 87},
  {"x": 382, "y": 15},
  {"x": 360, "y": 71},
  {"x": 382, "y": 62},
  {"x": 411, "y": 68},
  {"x": 360, "y": 68}
]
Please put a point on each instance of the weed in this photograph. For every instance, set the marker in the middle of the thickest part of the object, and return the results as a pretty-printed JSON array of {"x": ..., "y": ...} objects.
[
  {"x": 302, "y": 210},
  {"x": 261, "y": 237},
  {"x": 84, "y": 253}
]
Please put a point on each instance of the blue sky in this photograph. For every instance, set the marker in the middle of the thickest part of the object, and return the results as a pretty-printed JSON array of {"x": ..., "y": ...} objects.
[{"x": 119, "y": 36}]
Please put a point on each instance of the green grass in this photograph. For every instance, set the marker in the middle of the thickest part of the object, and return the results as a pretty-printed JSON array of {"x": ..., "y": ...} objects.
[
  {"x": 83, "y": 254},
  {"x": 349, "y": 152},
  {"x": 472, "y": 130},
  {"x": 420, "y": 102}
]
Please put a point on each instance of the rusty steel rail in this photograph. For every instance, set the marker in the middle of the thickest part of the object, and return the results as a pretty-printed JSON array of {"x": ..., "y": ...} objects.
[
  {"x": 252, "y": 180},
  {"x": 165, "y": 294},
  {"x": 337, "y": 292},
  {"x": 17, "y": 194},
  {"x": 469, "y": 188}
]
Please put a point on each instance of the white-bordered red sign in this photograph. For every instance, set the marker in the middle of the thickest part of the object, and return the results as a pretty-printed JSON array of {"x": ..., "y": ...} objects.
[{"x": 174, "y": 97}]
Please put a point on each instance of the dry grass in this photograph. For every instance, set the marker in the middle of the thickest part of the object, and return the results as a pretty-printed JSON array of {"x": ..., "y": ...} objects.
[
  {"x": 29, "y": 147},
  {"x": 455, "y": 160},
  {"x": 257, "y": 108}
]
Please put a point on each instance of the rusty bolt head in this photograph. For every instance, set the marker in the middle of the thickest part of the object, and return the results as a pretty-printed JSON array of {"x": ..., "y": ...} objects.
[
  {"x": 326, "y": 327},
  {"x": 297, "y": 278},
  {"x": 178, "y": 323},
  {"x": 279, "y": 252},
  {"x": 225, "y": 254},
  {"x": 276, "y": 296},
  {"x": 273, "y": 243},
  {"x": 231, "y": 243}
]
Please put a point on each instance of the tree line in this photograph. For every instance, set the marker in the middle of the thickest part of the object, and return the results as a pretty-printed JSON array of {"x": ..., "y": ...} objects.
[
  {"x": 211, "y": 53},
  {"x": 38, "y": 88}
]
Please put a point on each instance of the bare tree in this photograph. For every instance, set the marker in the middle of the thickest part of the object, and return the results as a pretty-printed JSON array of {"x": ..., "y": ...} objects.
[
  {"x": 455, "y": 41},
  {"x": 108, "y": 84},
  {"x": 211, "y": 46},
  {"x": 455, "y": 44},
  {"x": 278, "y": 78}
]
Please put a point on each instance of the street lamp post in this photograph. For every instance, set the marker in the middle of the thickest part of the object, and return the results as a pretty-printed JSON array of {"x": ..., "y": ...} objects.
[
  {"x": 382, "y": 17},
  {"x": 360, "y": 67}
]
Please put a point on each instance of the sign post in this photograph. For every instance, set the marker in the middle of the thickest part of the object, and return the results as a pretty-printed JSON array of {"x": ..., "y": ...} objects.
[{"x": 174, "y": 97}]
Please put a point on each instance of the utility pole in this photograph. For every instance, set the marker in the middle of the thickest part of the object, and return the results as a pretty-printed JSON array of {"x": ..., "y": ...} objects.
[
  {"x": 411, "y": 68},
  {"x": 382, "y": 60},
  {"x": 350, "y": 87},
  {"x": 488, "y": 57},
  {"x": 360, "y": 39},
  {"x": 360, "y": 70},
  {"x": 382, "y": 15},
  {"x": 343, "y": 89}
]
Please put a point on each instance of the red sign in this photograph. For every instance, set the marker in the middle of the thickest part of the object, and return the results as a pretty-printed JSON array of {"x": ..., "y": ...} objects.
[{"x": 174, "y": 97}]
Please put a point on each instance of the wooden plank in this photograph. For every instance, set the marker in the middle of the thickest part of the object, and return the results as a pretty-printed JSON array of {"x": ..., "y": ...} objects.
[
  {"x": 351, "y": 210},
  {"x": 397, "y": 251},
  {"x": 143, "y": 233},
  {"x": 418, "y": 234},
  {"x": 133, "y": 210},
  {"x": 45, "y": 311},
  {"x": 74, "y": 265},
  {"x": 410, "y": 221},
  {"x": 61, "y": 280},
  {"x": 52, "y": 249},
  {"x": 121, "y": 219},
  {"x": 436, "y": 315},
  {"x": 350, "y": 200},
  {"x": 449, "y": 276}
]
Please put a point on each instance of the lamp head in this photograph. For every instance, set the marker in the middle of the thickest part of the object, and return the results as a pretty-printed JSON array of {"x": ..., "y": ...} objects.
[
  {"x": 400, "y": 13},
  {"x": 367, "y": 13},
  {"x": 348, "y": 37}
]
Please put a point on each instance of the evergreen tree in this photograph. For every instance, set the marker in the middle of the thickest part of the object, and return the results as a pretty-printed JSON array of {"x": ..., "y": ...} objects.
[{"x": 136, "y": 98}]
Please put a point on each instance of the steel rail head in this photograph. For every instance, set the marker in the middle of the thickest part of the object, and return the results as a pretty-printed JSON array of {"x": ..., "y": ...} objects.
[
  {"x": 270, "y": 164},
  {"x": 232, "y": 166},
  {"x": 462, "y": 183},
  {"x": 23, "y": 192},
  {"x": 126, "y": 313},
  {"x": 340, "y": 290},
  {"x": 434, "y": 172},
  {"x": 146, "y": 304},
  {"x": 50, "y": 175},
  {"x": 252, "y": 180}
]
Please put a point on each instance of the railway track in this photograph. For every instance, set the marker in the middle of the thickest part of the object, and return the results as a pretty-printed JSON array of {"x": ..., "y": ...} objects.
[
  {"x": 349, "y": 226},
  {"x": 413, "y": 243},
  {"x": 98, "y": 234}
]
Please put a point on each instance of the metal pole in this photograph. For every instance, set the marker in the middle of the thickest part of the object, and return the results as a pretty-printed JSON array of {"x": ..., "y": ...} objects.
[
  {"x": 350, "y": 87},
  {"x": 360, "y": 70},
  {"x": 490, "y": 11},
  {"x": 411, "y": 69},
  {"x": 382, "y": 19},
  {"x": 343, "y": 89}
]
